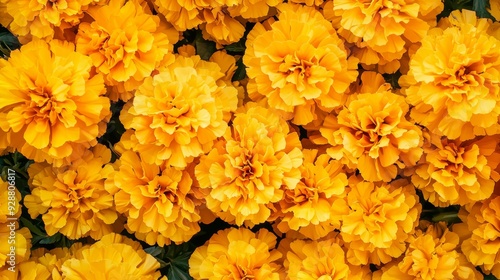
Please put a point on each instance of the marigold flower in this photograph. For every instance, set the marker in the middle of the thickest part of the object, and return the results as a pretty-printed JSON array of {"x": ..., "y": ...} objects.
[
  {"x": 22, "y": 247},
  {"x": 453, "y": 81},
  {"x": 482, "y": 247},
  {"x": 112, "y": 257},
  {"x": 495, "y": 9},
  {"x": 380, "y": 220},
  {"x": 456, "y": 172},
  {"x": 46, "y": 264},
  {"x": 126, "y": 42},
  {"x": 382, "y": 31},
  {"x": 156, "y": 199},
  {"x": 72, "y": 199},
  {"x": 315, "y": 206},
  {"x": 220, "y": 27},
  {"x": 50, "y": 102},
  {"x": 371, "y": 133},
  {"x": 248, "y": 169},
  {"x": 44, "y": 19},
  {"x": 253, "y": 10},
  {"x": 177, "y": 114},
  {"x": 298, "y": 63},
  {"x": 237, "y": 254},
  {"x": 432, "y": 254}
]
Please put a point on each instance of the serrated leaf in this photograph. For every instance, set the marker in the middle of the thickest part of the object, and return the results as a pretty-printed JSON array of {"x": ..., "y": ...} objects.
[
  {"x": 154, "y": 251},
  {"x": 238, "y": 47}
]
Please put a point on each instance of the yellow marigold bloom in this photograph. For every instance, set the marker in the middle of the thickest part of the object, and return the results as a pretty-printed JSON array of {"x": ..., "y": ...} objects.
[
  {"x": 385, "y": 29},
  {"x": 44, "y": 19},
  {"x": 453, "y": 81},
  {"x": 10, "y": 208},
  {"x": 253, "y": 10},
  {"x": 50, "y": 101},
  {"x": 495, "y": 9},
  {"x": 380, "y": 220},
  {"x": 111, "y": 258},
  {"x": 456, "y": 172},
  {"x": 126, "y": 42},
  {"x": 316, "y": 260},
  {"x": 157, "y": 200},
  {"x": 432, "y": 254},
  {"x": 315, "y": 206},
  {"x": 220, "y": 27},
  {"x": 237, "y": 254},
  {"x": 298, "y": 63},
  {"x": 249, "y": 168},
  {"x": 72, "y": 199},
  {"x": 22, "y": 245},
  {"x": 482, "y": 247},
  {"x": 178, "y": 114},
  {"x": 46, "y": 264},
  {"x": 182, "y": 14},
  {"x": 371, "y": 133}
]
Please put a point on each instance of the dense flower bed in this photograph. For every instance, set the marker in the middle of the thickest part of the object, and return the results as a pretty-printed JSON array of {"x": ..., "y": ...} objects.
[{"x": 250, "y": 139}]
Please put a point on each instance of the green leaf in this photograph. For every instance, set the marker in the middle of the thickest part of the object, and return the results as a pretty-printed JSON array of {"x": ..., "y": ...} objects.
[
  {"x": 154, "y": 251},
  {"x": 8, "y": 42},
  {"x": 449, "y": 217},
  {"x": 178, "y": 274},
  {"x": 238, "y": 47},
  {"x": 481, "y": 6},
  {"x": 51, "y": 239},
  {"x": 204, "y": 48}
]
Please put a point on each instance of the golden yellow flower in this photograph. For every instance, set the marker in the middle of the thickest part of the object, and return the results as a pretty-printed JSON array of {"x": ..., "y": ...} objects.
[
  {"x": 482, "y": 247},
  {"x": 315, "y": 206},
  {"x": 114, "y": 257},
  {"x": 126, "y": 42},
  {"x": 433, "y": 253},
  {"x": 311, "y": 260},
  {"x": 12, "y": 236},
  {"x": 177, "y": 114},
  {"x": 456, "y": 172},
  {"x": 382, "y": 31},
  {"x": 248, "y": 169},
  {"x": 220, "y": 27},
  {"x": 182, "y": 14},
  {"x": 371, "y": 133},
  {"x": 237, "y": 254},
  {"x": 157, "y": 200},
  {"x": 44, "y": 19},
  {"x": 72, "y": 199},
  {"x": 380, "y": 220},
  {"x": 46, "y": 264},
  {"x": 51, "y": 104},
  {"x": 253, "y": 10},
  {"x": 453, "y": 81},
  {"x": 298, "y": 63}
]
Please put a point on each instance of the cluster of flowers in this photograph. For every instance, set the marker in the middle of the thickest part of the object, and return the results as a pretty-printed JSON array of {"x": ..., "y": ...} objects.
[{"x": 313, "y": 141}]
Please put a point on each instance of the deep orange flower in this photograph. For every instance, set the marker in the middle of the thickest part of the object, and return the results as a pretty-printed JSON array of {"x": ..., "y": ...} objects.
[
  {"x": 51, "y": 104},
  {"x": 247, "y": 170},
  {"x": 157, "y": 200},
  {"x": 178, "y": 114},
  {"x": 72, "y": 199},
  {"x": 371, "y": 133},
  {"x": 237, "y": 254},
  {"x": 381, "y": 218},
  {"x": 126, "y": 42},
  {"x": 456, "y": 172}
]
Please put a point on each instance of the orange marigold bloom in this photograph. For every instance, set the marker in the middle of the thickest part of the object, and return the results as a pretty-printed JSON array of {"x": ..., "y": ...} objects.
[
  {"x": 72, "y": 199},
  {"x": 253, "y": 10},
  {"x": 453, "y": 81},
  {"x": 178, "y": 114},
  {"x": 44, "y": 19},
  {"x": 50, "y": 103},
  {"x": 157, "y": 200},
  {"x": 112, "y": 257},
  {"x": 315, "y": 206},
  {"x": 371, "y": 133},
  {"x": 456, "y": 172},
  {"x": 298, "y": 63},
  {"x": 380, "y": 220},
  {"x": 237, "y": 254},
  {"x": 126, "y": 42},
  {"x": 482, "y": 247},
  {"x": 495, "y": 9},
  {"x": 383, "y": 31},
  {"x": 432, "y": 254},
  {"x": 46, "y": 264},
  {"x": 248, "y": 169}
]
